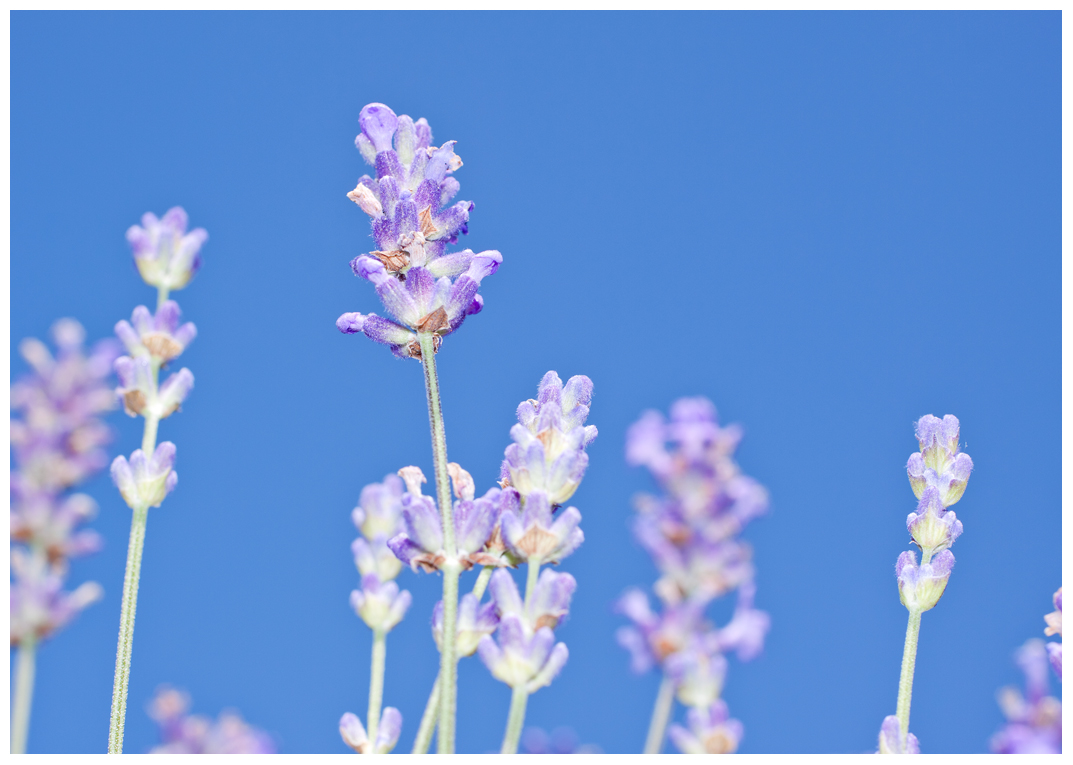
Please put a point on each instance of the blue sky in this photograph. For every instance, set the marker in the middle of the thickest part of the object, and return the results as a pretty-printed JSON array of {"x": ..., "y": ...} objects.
[{"x": 828, "y": 223}]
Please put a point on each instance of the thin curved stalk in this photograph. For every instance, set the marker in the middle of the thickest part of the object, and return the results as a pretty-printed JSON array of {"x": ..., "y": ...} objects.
[
  {"x": 515, "y": 719},
  {"x": 905, "y": 681},
  {"x": 24, "y": 694},
  {"x": 661, "y": 714}
]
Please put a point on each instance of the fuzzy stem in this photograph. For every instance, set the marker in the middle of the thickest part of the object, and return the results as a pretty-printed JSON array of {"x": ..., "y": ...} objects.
[
  {"x": 532, "y": 573},
  {"x": 428, "y": 720},
  {"x": 376, "y": 682},
  {"x": 905, "y": 682},
  {"x": 161, "y": 296},
  {"x": 482, "y": 582},
  {"x": 126, "y": 629},
  {"x": 451, "y": 568},
  {"x": 24, "y": 694},
  {"x": 149, "y": 436},
  {"x": 660, "y": 715},
  {"x": 515, "y": 719}
]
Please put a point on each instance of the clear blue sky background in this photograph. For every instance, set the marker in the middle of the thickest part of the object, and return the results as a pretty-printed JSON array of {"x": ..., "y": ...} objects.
[{"x": 830, "y": 224}]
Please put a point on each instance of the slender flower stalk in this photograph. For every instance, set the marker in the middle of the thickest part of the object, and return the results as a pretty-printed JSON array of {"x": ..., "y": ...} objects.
[
  {"x": 57, "y": 442},
  {"x": 167, "y": 257},
  {"x": 938, "y": 475},
  {"x": 691, "y": 531}
]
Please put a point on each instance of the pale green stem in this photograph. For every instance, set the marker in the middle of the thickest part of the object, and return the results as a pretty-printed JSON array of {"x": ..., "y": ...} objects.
[
  {"x": 451, "y": 568},
  {"x": 376, "y": 682},
  {"x": 24, "y": 694},
  {"x": 129, "y": 605},
  {"x": 161, "y": 295},
  {"x": 661, "y": 714},
  {"x": 428, "y": 719},
  {"x": 533, "y": 574},
  {"x": 515, "y": 719},
  {"x": 905, "y": 682}
]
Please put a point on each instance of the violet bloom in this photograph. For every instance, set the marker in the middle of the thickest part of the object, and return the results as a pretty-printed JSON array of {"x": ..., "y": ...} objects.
[
  {"x": 166, "y": 255},
  {"x": 378, "y": 517},
  {"x": 1034, "y": 720},
  {"x": 39, "y": 606},
  {"x": 474, "y": 622},
  {"x": 387, "y": 733},
  {"x": 182, "y": 733},
  {"x": 159, "y": 337},
  {"x": 144, "y": 482},
  {"x": 380, "y": 604},
  {"x": 921, "y": 586},
  {"x": 50, "y": 522},
  {"x": 421, "y": 544},
  {"x": 1054, "y": 627},
  {"x": 521, "y": 657},
  {"x": 548, "y": 605},
  {"x": 423, "y": 286},
  {"x": 711, "y": 731},
  {"x": 141, "y": 395},
  {"x": 890, "y": 738}
]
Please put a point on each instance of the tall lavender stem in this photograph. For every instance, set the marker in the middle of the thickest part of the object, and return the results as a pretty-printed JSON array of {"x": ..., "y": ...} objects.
[
  {"x": 905, "y": 682},
  {"x": 519, "y": 697},
  {"x": 24, "y": 693},
  {"x": 376, "y": 681},
  {"x": 451, "y": 569},
  {"x": 661, "y": 714},
  {"x": 126, "y": 629}
]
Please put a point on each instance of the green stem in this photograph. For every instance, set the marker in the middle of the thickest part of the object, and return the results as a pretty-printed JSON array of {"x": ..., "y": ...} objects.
[
  {"x": 149, "y": 436},
  {"x": 376, "y": 683},
  {"x": 482, "y": 582},
  {"x": 161, "y": 295},
  {"x": 661, "y": 714},
  {"x": 24, "y": 694},
  {"x": 515, "y": 719},
  {"x": 451, "y": 567},
  {"x": 126, "y": 629},
  {"x": 428, "y": 720},
  {"x": 905, "y": 682},
  {"x": 532, "y": 573}
]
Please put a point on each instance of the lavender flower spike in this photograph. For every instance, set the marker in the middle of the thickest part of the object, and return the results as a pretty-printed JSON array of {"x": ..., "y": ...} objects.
[
  {"x": 425, "y": 288},
  {"x": 182, "y": 733},
  {"x": 159, "y": 337},
  {"x": 39, "y": 606},
  {"x": 144, "y": 482},
  {"x": 1034, "y": 720},
  {"x": 1054, "y": 627},
  {"x": 166, "y": 255},
  {"x": 387, "y": 735}
]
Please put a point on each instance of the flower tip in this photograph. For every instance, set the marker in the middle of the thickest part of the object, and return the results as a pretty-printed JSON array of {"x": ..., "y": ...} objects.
[
  {"x": 379, "y": 123},
  {"x": 350, "y": 323}
]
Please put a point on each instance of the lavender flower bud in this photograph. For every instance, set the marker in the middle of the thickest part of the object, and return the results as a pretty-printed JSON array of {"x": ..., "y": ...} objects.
[
  {"x": 534, "y": 534},
  {"x": 939, "y": 464},
  {"x": 699, "y": 673},
  {"x": 710, "y": 731},
  {"x": 39, "y": 606},
  {"x": 375, "y": 558},
  {"x": 932, "y": 527},
  {"x": 380, "y": 604},
  {"x": 474, "y": 622},
  {"x": 379, "y": 510},
  {"x": 890, "y": 738},
  {"x": 387, "y": 734},
  {"x": 144, "y": 482},
  {"x": 159, "y": 337},
  {"x": 548, "y": 605},
  {"x": 166, "y": 255},
  {"x": 139, "y": 392},
  {"x": 522, "y": 658},
  {"x": 920, "y": 587}
]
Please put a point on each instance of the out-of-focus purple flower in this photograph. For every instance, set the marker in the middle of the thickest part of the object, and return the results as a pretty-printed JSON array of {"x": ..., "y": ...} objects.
[
  {"x": 1054, "y": 627},
  {"x": 655, "y": 637},
  {"x": 42, "y": 519},
  {"x": 166, "y": 255},
  {"x": 159, "y": 337},
  {"x": 711, "y": 731},
  {"x": 890, "y": 738},
  {"x": 387, "y": 734},
  {"x": 474, "y": 622},
  {"x": 746, "y": 630},
  {"x": 423, "y": 286},
  {"x": 1034, "y": 720},
  {"x": 522, "y": 657},
  {"x": 181, "y": 733},
  {"x": 698, "y": 672},
  {"x": 921, "y": 586},
  {"x": 140, "y": 393},
  {"x": 379, "y": 510},
  {"x": 548, "y": 453},
  {"x": 560, "y": 741},
  {"x": 421, "y": 544},
  {"x": 39, "y": 606},
  {"x": 380, "y": 604},
  {"x": 144, "y": 482}
]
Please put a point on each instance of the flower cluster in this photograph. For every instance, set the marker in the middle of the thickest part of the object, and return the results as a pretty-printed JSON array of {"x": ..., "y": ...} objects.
[
  {"x": 1054, "y": 627},
  {"x": 1034, "y": 720},
  {"x": 378, "y": 517},
  {"x": 57, "y": 442},
  {"x": 387, "y": 734},
  {"x": 166, "y": 255},
  {"x": 692, "y": 533},
  {"x": 938, "y": 475},
  {"x": 182, "y": 733},
  {"x": 425, "y": 288}
]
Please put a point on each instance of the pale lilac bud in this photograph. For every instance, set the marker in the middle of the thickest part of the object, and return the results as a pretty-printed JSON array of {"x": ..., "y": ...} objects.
[
  {"x": 139, "y": 392},
  {"x": 549, "y": 604},
  {"x": 375, "y": 557},
  {"x": 710, "y": 731},
  {"x": 920, "y": 587},
  {"x": 166, "y": 255},
  {"x": 379, "y": 510},
  {"x": 939, "y": 465},
  {"x": 522, "y": 658},
  {"x": 160, "y": 337},
  {"x": 353, "y": 733},
  {"x": 39, "y": 606},
  {"x": 473, "y": 623},
  {"x": 699, "y": 673},
  {"x": 145, "y": 482},
  {"x": 932, "y": 527},
  {"x": 350, "y": 323},
  {"x": 380, "y": 604},
  {"x": 890, "y": 738},
  {"x": 533, "y": 533}
]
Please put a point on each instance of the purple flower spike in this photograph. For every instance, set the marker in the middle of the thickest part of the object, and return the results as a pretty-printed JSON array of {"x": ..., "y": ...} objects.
[
  {"x": 159, "y": 337},
  {"x": 474, "y": 622},
  {"x": 195, "y": 734},
  {"x": 1034, "y": 720},
  {"x": 710, "y": 731},
  {"x": 423, "y": 286},
  {"x": 166, "y": 255},
  {"x": 921, "y": 586},
  {"x": 890, "y": 738},
  {"x": 548, "y": 453},
  {"x": 939, "y": 465},
  {"x": 523, "y": 658},
  {"x": 144, "y": 482}
]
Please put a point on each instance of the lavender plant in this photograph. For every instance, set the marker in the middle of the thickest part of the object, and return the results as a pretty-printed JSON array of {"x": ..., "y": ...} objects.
[
  {"x": 692, "y": 533},
  {"x": 1034, "y": 719},
  {"x": 184, "y": 733},
  {"x": 167, "y": 257},
  {"x": 57, "y": 442},
  {"x": 938, "y": 475},
  {"x": 429, "y": 292}
]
